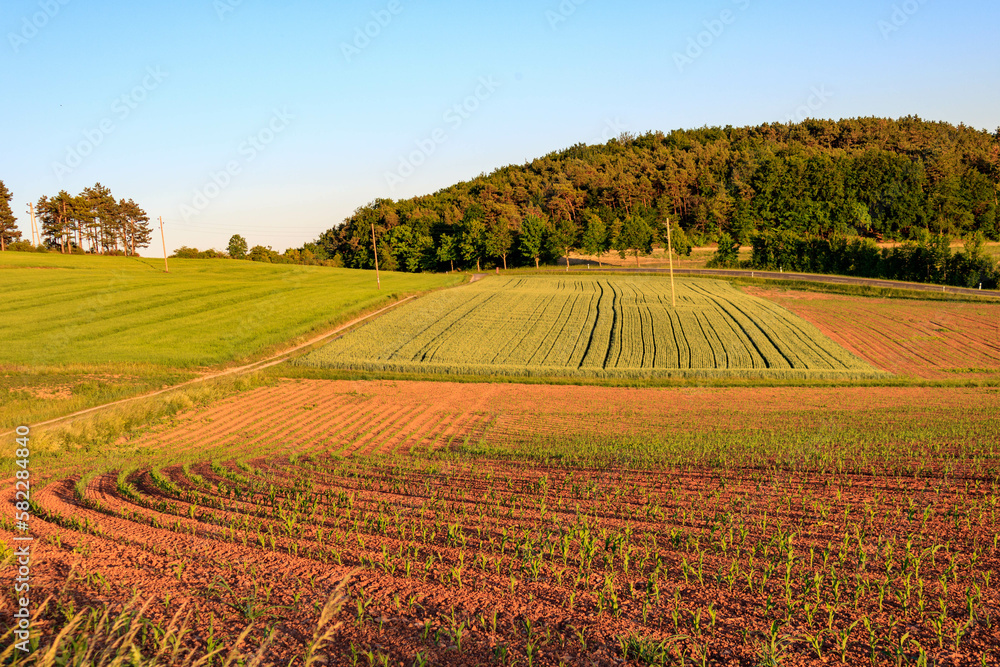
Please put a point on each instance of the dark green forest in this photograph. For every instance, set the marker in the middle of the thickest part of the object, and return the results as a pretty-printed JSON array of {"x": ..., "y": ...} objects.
[{"x": 818, "y": 186}]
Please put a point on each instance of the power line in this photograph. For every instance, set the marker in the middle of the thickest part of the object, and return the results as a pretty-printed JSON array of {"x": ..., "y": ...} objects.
[{"x": 188, "y": 225}]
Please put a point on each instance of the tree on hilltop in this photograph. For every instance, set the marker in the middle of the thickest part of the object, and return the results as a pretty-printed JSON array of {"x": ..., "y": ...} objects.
[
  {"x": 57, "y": 217},
  {"x": 135, "y": 230},
  {"x": 103, "y": 225},
  {"x": 8, "y": 227},
  {"x": 261, "y": 254},
  {"x": 237, "y": 247}
]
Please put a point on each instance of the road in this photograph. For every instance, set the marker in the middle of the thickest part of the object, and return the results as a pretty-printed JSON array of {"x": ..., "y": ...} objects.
[{"x": 808, "y": 277}]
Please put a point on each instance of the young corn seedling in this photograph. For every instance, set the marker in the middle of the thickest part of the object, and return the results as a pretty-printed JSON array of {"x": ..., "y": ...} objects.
[{"x": 841, "y": 640}]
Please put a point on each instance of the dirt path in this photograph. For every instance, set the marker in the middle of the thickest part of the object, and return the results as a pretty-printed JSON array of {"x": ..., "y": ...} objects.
[
  {"x": 805, "y": 277},
  {"x": 273, "y": 360}
]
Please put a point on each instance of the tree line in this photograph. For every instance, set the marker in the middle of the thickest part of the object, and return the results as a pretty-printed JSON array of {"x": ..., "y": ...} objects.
[
  {"x": 238, "y": 249},
  {"x": 92, "y": 221},
  {"x": 927, "y": 260},
  {"x": 865, "y": 178}
]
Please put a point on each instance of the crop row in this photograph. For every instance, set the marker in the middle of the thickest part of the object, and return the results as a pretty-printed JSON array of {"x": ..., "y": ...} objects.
[
  {"x": 668, "y": 564},
  {"x": 587, "y": 326}
]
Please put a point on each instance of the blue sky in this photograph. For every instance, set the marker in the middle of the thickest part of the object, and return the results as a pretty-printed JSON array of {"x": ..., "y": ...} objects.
[{"x": 277, "y": 120}]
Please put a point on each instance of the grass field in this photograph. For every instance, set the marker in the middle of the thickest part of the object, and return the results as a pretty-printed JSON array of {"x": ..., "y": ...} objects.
[
  {"x": 582, "y": 326},
  {"x": 78, "y": 331},
  {"x": 63, "y": 310}
]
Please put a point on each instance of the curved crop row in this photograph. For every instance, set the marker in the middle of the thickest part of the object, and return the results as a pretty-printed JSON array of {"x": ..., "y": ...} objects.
[{"x": 591, "y": 327}]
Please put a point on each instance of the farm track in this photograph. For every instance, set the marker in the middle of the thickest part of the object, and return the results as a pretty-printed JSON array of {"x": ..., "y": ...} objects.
[
  {"x": 805, "y": 277},
  {"x": 479, "y": 552},
  {"x": 255, "y": 366}
]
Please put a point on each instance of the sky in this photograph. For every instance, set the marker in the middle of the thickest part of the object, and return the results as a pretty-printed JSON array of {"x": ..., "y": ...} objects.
[{"x": 276, "y": 120}]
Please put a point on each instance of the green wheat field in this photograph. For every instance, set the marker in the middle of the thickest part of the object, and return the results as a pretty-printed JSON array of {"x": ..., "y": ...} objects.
[{"x": 598, "y": 327}]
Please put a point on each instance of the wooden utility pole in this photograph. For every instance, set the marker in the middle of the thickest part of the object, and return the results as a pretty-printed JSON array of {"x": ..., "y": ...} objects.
[
  {"x": 62, "y": 228},
  {"x": 670, "y": 257},
  {"x": 375, "y": 248},
  {"x": 163, "y": 238},
  {"x": 36, "y": 239}
]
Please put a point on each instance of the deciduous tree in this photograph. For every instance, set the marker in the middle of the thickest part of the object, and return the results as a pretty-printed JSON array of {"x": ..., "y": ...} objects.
[
  {"x": 237, "y": 247},
  {"x": 447, "y": 250},
  {"x": 473, "y": 239},
  {"x": 636, "y": 237},
  {"x": 259, "y": 253},
  {"x": 499, "y": 240},
  {"x": 562, "y": 238},
  {"x": 595, "y": 236},
  {"x": 532, "y": 239}
]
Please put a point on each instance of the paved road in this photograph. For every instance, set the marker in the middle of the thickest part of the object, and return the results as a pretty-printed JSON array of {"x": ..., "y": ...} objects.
[{"x": 807, "y": 277}]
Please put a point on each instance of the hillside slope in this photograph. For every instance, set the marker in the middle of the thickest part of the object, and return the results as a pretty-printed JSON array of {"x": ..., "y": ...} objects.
[{"x": 874, "y": 177}]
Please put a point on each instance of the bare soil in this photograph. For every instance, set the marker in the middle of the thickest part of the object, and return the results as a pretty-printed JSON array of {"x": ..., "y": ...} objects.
[
  {"x": 733, "y": 558},
  {"x": 923, "y": 339}
]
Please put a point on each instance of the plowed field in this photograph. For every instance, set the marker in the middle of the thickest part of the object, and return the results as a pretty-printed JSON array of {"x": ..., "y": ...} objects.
[
  {"x": 924, "y": 339},
  {"x": 647, "y": 529}
]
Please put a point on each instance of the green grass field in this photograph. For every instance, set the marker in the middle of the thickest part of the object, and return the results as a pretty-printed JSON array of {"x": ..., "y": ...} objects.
[
  {"x": 78, "y": 330},
  {"x": 72, "y": 309},
  {"x": 582, "y": 326}
]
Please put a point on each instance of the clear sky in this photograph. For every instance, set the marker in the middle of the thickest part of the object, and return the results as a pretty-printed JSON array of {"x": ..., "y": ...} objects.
[{"x": 277, "y": 119}]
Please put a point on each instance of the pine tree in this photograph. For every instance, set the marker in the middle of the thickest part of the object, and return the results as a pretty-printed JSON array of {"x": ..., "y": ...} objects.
[
  {"x": 8, "y": 228},
  {"x": 136, "y": 232},
  {"x": 54, "y": 214},
  {"x": 104, "y": 217}
]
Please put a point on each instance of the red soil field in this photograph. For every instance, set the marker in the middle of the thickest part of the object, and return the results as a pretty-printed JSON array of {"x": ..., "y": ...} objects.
[
  {"x": 393, "y": 417},
  {"x": 474, "y": 559},
  {"x": 923, "y": 339}
]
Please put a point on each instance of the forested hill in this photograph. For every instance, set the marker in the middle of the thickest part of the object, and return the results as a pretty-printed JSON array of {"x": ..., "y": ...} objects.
[{"x": 869, "y": 177}]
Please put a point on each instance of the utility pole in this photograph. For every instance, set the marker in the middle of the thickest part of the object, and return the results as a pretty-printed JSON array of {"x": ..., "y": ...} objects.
[
  {"x": 62, "y": 228},
  {"x": 36, "y": 239},
  {"x": 670, "y": 256},
  {"x": 375, "y": 248},
  {"x": 164, "y": 240}
]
